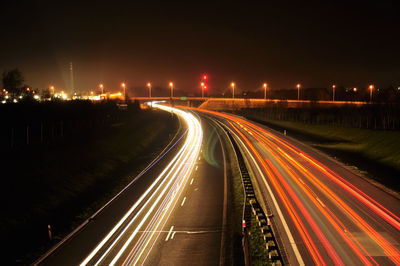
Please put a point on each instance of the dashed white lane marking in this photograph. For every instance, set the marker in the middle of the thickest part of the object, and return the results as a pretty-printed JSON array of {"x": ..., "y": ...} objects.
[
  {"x": 191, "y": 181},
  {"x": 196, "y": 167},
  {"x": 196, "y": 189},
  {"x": 183, "y": 201},
  {"x": 169, "y": 233}
]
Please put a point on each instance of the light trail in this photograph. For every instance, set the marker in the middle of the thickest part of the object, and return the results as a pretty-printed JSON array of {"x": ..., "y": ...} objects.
[
  {"x": 334, "y": 221},
  {"x": 127, "y": 241}
]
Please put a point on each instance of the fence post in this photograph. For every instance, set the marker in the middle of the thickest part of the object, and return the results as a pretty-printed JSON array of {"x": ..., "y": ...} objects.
[{"x": 50, "y": 234}]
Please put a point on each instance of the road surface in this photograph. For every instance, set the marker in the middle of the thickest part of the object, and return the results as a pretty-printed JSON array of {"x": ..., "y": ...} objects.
[{"x": 172, "y": 214}]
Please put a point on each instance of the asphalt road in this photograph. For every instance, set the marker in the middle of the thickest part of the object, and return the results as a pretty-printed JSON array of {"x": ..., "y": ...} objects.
[
  {"x": 172, "y": 215},
  {"x": 194, "y": 233},
  {"x": 323, "y": 213}
]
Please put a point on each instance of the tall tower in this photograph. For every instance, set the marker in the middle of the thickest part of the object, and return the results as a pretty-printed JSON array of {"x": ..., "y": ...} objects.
[{"x": 71, "y": 78}]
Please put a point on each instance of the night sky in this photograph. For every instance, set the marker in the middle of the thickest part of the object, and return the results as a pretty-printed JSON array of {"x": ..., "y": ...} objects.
[{"x": 316, "y": 44}]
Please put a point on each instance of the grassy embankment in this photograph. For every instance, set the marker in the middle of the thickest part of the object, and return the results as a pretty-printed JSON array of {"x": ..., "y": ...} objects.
[
  {"x": 64, "y": 184},
  {"x": 375, "y": 152}
]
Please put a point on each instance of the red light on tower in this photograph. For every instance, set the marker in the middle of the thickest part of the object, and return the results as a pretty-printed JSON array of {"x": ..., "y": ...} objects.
[{"x": 205, "y": 77}]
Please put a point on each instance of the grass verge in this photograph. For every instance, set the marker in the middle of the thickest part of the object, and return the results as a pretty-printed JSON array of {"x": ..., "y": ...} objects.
[
  {"x": 375, "y": 152},
  {"x": 258, "y": 252}
]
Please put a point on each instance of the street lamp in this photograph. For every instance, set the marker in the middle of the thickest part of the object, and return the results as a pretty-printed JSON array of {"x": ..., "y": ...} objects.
[
  {"x": 123, "y": 85},
  {"x": 202, "y": 89},
  {"x": 371, "y": 88},
  {"x": 333, "y": 92},
  {"x": 102, "y": 88},
  {"x": 233, "y": 89},
  {"x": 171, "y": 85},
  {"x": 265, "y": 85},
  {"x": 52, "y": 89},
  {"x": 149, "y": 86},
  {"x": 298, "y": 91}
]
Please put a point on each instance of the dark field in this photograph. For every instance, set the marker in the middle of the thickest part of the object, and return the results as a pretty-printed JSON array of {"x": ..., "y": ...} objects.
[{"x": 77, "y": 156}]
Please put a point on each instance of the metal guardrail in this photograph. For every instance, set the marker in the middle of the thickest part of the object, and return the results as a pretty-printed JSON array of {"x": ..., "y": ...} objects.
[{"x": 253, "y": 207}]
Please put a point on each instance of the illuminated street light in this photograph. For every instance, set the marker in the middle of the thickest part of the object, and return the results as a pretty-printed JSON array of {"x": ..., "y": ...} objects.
[
  {"x": 149, "y": 86},
  {"x": 171, "y": 85},
  {"x": 52, "y": 89},
  {"x": 265, "y": 85},
  {"x": 298, "y": 91},
  {"x": 333, "y": 92},
  {"x": 102, "y": 88},
  {"x": 123, "y": 85},
  {"x": 371, "y": 88},
  {"x": 202, "y": 89},
  {"x": 233, "y": 89}
]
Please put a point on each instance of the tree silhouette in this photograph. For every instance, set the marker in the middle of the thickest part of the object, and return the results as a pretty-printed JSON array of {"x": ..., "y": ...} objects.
[{"x": 12, "y": 80}]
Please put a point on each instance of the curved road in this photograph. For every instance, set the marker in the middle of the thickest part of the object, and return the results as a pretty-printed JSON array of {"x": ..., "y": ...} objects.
[
  {"x": 323, "y": 213},
  {"x": 172, "y": 214}
]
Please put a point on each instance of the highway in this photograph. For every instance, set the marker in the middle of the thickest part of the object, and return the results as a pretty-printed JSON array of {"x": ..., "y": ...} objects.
[
  {"x": 173, "y": 213},
  {"x": 196, "y": 233},
  {"x": 323, "y": 213}
]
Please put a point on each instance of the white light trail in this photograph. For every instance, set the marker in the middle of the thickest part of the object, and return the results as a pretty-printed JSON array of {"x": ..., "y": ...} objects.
[{"x": 127, "y": 241}]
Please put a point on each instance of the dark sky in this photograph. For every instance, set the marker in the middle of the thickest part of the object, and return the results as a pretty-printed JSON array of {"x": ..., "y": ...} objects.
[{"x": 315, "y": 43}]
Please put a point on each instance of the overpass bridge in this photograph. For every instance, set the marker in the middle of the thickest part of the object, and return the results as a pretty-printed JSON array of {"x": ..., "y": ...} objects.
[{"x": 239, "y": 103}]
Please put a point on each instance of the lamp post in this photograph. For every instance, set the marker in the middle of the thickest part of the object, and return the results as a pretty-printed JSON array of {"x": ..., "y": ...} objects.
[
  {"x": 371, "y": 88},
  {"x": 101, "y": 88},
  {"x": 52, "y": 89},
  {"x": 265, "y": 85},
  {"x": 202, "y": 89},
  {"x": 171, "y": 85},
  {"x": 123, "y": 85},
  {"x": 149, "y": 86},
  {"x": 333, "y": 92},
  {"x": 233, "y": 89},
  {"x": 298, "y": 91}
]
